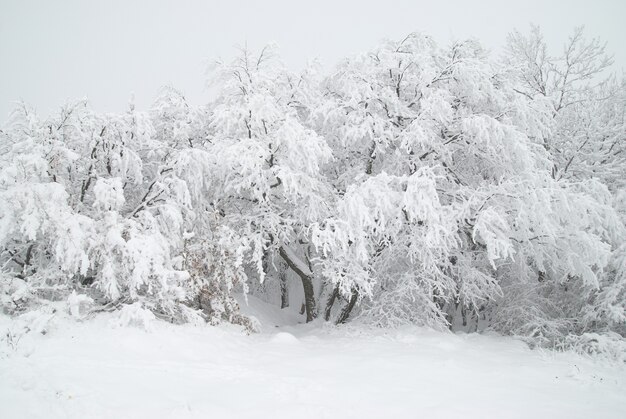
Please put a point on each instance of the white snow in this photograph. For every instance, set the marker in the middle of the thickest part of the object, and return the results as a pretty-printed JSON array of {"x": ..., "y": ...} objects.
[{"x": 99, "y": 369}]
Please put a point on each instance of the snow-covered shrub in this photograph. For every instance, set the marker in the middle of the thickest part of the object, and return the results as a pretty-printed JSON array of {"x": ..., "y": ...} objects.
[
  {"x": 609, "y": 345},
  {"x": 99, "y": 205},
  {"x": 216, "y": 269},
  {"x": 136, "y": 315},
  {"x": 79, "y": 304}
]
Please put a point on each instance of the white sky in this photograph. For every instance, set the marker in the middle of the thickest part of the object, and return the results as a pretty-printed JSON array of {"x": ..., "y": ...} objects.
[{"x": 52, "y": 51}]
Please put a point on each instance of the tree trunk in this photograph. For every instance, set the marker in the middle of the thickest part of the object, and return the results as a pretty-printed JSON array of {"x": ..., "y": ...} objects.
[
  {"x": 307, "y": 285},
  {"x": 331, "y": 301},
  {"x": 284, "y": 288},
  {"x": 345, "y": 313}
]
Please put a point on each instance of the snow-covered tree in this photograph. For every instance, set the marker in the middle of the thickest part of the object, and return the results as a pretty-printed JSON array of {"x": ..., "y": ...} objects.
[
  {"x": 584, "y": 107},
  {"x": 413, "y": 184},
  {"x": 271, "y": 183}
]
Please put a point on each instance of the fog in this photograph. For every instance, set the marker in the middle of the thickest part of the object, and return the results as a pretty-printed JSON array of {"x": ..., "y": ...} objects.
[{"x": 51, "y": 52}]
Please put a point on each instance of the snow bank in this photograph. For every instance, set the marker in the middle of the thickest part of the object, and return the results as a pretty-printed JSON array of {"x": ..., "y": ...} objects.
[{"x": 97, "y": 369}]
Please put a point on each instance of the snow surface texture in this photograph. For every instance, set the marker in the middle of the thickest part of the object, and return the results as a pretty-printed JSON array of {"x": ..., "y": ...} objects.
[{"x": 151, "y": 369}]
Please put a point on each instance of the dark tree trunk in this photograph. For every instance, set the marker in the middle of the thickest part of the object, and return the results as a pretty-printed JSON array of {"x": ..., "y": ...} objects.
[
  {"x": 345, "y": 313},
  {"x": 309, "y": 298},
  {"x": 331, "y": 301},
  {"x": 307, "y": 285},
  {"x": 265, "y": 262},
  {"x": 284, "y": 288}
]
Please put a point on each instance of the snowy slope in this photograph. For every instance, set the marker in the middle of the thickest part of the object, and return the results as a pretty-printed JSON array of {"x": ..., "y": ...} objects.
[{"x": 95, "y": 369}]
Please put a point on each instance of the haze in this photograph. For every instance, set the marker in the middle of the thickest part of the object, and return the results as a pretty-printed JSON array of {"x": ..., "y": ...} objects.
[{"x": 51, "y": 52}]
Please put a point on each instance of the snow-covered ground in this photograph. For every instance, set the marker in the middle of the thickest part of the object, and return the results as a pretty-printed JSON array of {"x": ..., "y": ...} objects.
[{"x": 95, "y": 369}]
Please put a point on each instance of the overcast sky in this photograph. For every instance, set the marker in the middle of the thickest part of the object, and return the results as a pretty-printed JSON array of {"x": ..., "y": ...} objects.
[{"x": 52, "y": 51}]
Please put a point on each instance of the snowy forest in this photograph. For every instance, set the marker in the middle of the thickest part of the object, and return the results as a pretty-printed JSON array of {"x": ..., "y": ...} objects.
[{"x": 421, "y": 184}]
